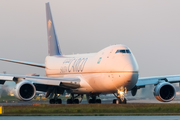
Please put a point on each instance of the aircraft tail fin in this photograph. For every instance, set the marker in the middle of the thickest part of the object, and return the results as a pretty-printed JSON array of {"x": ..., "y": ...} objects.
[{"x": 53, "y": 45}]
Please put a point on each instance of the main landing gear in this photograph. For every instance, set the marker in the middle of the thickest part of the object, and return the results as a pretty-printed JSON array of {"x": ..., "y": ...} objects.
[
  {"x": 55, "y": 101},
  {"x": 120, "y": 96},
  {"x": 54, "y": 98},
  {"x": 93, "y": 99},
  {"x": 74, "y": 100}
]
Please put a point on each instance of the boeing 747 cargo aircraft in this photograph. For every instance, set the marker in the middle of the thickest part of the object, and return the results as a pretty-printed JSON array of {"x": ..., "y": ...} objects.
[{"x": 113, "y": 70}]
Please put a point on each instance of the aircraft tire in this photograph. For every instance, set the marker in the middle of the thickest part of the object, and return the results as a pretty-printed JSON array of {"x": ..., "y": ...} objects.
[
  {"x": 98, "y": 101},
  {"x": 119, "y": 101},
  {"x": 52, "y": 101},
  {"x": 124, "y": 101},
  {"x": 114, "y": 101}
]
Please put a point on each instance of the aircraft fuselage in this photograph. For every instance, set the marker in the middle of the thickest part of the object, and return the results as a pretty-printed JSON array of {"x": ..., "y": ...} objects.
[{"x": 103, "y": 72}]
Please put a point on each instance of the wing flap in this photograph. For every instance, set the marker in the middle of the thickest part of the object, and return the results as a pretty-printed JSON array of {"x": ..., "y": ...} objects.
[{"x": 70, "y": 85}]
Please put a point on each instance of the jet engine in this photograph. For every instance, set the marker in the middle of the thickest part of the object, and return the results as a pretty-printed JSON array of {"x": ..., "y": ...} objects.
[
  {"x": 25, "y": 91},
  {"x": 165, "y": 92}
]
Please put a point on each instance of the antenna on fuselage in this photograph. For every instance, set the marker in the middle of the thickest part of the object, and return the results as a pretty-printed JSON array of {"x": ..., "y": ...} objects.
[{"x": 53, "y": 45}]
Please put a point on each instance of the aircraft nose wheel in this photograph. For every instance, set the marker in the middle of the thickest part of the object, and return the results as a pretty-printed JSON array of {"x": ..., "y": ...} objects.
[
  {"x": 120, "y": 96},
  {"x": 119, "y": 101}
]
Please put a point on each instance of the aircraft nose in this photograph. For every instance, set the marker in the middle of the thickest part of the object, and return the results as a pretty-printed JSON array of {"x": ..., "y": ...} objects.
[
  {"x": 131, "y": 75},
  {"x": 131, "y": 67},
  {"x": 128, "y": 67}
]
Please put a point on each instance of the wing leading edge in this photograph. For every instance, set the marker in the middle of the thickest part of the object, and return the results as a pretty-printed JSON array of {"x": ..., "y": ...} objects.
[
  {"x": 23, "y": 62},
  {"x": 142, "y": 82},
  {"x": 70, "y": 83}
]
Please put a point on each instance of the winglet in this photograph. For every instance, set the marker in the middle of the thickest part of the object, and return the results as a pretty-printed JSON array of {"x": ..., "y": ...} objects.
[{"x": 53, "y": 45}]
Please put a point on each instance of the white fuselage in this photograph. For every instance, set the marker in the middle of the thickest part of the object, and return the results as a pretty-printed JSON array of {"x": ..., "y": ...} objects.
[{"x": 101, "y": 72}]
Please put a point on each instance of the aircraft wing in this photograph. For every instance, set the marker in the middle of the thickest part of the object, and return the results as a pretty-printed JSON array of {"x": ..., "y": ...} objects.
[
  {"x": 23, "y": 62},
  {"x": 40, "y": 81},
  {"x": 142, "y": 82}
]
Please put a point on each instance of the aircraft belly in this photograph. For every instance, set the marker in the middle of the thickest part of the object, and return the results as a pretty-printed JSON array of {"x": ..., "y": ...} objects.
[
  {"x": 104, "y": 82},
  {"x": 108, "y": 82},
  {"x": 111, "y": 82}
]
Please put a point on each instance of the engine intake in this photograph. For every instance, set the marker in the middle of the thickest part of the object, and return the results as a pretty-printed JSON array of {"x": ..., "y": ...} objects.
[
  {"x": 25, "y": 91},
  {"x": 165, "y": 92}
]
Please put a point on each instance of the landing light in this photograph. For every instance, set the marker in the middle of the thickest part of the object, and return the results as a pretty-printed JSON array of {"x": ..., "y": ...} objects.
[{"x": 121, "y": 93}]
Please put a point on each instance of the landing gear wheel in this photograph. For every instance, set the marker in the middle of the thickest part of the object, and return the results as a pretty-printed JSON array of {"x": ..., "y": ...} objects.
[
  {"x": 98, "y": 101},
  {"x": 114, "y": 101},
  {"x": 59, "y": 101},
  {"x": 52, "y": 101},
  {"x": 124, "y": 101},
  {"x": 119, "y": 101}
]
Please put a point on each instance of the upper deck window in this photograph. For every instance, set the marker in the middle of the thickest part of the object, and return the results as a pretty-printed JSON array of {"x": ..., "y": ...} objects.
[{"x": 123, "y": 51}]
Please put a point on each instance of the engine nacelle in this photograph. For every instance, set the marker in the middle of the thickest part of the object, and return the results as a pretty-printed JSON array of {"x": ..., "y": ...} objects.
[
  {"x": 165, "y": 92},
  {"x": 25, "y": 91}
]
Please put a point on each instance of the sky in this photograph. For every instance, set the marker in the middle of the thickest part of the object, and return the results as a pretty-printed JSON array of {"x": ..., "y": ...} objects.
[{"x": 150, "y": 28}]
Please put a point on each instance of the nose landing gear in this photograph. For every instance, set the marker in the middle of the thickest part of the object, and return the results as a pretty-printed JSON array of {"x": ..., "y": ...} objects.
[{"x": 120, "y": 96}]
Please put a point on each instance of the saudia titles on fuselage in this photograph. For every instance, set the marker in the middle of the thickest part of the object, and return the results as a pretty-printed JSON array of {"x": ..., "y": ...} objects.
[{"x": 73, "y": 65}]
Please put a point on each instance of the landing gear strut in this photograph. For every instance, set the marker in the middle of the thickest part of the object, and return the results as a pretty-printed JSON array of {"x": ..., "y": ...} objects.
[{"x": 120, "y": 96}]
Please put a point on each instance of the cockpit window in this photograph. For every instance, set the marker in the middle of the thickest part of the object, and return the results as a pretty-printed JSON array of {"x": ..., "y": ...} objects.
[
  {"x": 128, "y": 51},
  {"x": 123, "y": 51}
]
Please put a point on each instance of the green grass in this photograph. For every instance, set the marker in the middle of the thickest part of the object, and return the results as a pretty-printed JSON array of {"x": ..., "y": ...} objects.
[
  {"x": 8, "y": 98},
  {"x": 94, "y": 109}
]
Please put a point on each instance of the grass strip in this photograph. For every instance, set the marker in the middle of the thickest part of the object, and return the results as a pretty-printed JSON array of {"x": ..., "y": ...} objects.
[{"x": 94, "y": 109}]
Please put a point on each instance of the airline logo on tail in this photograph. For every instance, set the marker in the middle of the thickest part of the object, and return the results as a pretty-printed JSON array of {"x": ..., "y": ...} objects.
[{"x": 49, "y": 24}]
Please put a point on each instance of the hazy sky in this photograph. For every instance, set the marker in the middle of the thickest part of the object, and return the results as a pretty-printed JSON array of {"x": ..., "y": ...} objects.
[{"x": 151, "y": 28}]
